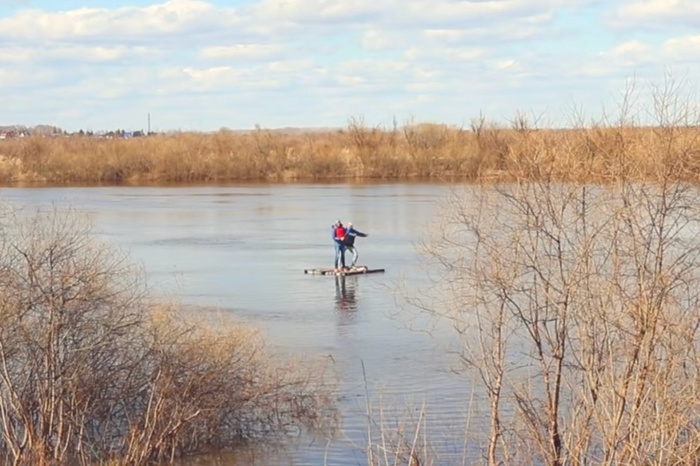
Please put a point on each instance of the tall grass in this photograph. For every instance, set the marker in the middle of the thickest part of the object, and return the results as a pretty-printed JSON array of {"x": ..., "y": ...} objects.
[{"x": 485, "y": 151}]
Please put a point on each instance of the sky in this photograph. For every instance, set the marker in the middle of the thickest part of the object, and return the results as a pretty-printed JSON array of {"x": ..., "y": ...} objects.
[{"x": 204, "y": 65}]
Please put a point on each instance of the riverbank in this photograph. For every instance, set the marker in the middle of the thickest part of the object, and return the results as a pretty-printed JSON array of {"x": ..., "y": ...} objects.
[{"x": 421, "y": 152}]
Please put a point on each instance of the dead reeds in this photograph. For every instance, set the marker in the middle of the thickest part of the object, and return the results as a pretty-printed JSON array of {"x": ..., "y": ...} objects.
[{"x": 484, "y": 152}]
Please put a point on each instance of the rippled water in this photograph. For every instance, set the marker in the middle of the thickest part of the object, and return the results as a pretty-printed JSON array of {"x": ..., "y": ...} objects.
[{"x": 243, "y": 249}]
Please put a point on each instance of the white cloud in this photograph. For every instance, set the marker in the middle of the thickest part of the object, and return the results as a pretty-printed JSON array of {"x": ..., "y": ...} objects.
[
  {"x": 244, "y": 51},
  {"x": 325, "y": 58},
  {"x": 17, "y": 54},
  {"x": 446, "y": 35},
  {"x": 657, "y": 14},
  {"x": 369, "y": 75},
  {"x": 450, "y": 54},
  {"x": 422, "y": 73},
  {"x": 425, "y": 86},
  {"x": 654, "y": 8},
  {"x": 9, "y": 77},
  {"x": 382, "y": 39},
  {"x": 175, "y": 24},
  {"x": 128, "y": 24},
  {"x": 639, "y": 56},
  {"x": 352, "y": 81},
  {"x": 629, "y": 54},
  {"x": 314, "y": 11},
  {"x": 222, "y": 79},
  {"x": 386, "y": 16},
  {"x": 447, "y": 12},
  {"x": 77, "y": 53},
  {"x": 683, "y": 49},
  {"x": 373, "y": 66},
  {"x": 206, "y": 79},
  {"x": 286, "y": 67},
  {"x": 511, "y": 30},
  {"x": 507, "y": 64},
  {"x": 632, "y": 47},
  {"x": 212, "y": 74}
]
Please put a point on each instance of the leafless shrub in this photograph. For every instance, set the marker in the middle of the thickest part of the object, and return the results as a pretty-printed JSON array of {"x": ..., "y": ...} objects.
[
  {"x": 90, "y": 370},
  {"x": 578, "y": 309}
]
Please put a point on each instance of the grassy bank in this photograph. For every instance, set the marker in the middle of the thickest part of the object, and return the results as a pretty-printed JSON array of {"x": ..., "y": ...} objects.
[{"x": 482, "y": 152}]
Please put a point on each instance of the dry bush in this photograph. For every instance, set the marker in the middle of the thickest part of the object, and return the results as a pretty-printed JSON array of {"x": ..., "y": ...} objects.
[
  {"x": 374, "y": 150},
  {"x": 91, "y": 371},
  {"x": 578, "y": 307},
  {"x": 215, "y": 387}
]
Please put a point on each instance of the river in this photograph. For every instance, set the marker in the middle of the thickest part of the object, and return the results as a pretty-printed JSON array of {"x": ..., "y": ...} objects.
[{"x": 242, "y": 249}]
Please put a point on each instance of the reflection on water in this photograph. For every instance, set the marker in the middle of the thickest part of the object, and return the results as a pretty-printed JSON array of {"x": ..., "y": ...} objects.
[
  {"x": 243, "y": 249},
  {"x": 345, "y": 300}
]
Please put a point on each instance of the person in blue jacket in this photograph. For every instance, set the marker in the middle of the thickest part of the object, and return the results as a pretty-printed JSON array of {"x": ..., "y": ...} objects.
[
  {"x": 349, "y": 242},
  {"x": 338, "y": 233}
]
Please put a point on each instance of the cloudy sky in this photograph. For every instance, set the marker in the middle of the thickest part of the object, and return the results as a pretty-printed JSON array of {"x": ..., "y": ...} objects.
[{"x": 207, "y": 64}]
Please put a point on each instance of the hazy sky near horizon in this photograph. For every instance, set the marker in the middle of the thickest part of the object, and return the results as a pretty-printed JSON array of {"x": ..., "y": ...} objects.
[{"x": 207, "y": 64}]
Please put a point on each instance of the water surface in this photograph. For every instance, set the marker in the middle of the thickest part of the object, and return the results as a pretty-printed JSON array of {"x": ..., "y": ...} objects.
[{"x": 242, "y": 250}]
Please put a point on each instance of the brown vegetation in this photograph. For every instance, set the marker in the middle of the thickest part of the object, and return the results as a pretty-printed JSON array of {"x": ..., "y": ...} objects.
[
  {"x": 485, "y": 151},
  {"x": 90, "y": 371},
  {"x": 578, "y": 306},
  {"x": 578, "y": 309}
]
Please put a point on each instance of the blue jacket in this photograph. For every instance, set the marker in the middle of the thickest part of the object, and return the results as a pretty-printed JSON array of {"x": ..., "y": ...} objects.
[{"x": 350, "y": 235}]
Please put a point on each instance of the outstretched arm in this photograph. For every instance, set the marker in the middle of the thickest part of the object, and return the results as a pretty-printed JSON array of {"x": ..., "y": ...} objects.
[{"x": 359, "y": 233}]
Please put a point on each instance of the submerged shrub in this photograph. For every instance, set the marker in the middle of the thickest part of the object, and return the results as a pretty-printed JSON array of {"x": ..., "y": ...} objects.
[{"x": 90, "y": 370}]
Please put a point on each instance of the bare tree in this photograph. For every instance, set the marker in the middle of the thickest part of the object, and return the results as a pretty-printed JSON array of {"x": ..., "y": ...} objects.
[{"x": 578, "y": 307}]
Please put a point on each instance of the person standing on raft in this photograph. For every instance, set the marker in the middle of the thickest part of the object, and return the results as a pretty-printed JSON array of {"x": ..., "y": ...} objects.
[
  {"x": 338, "y": 233},
  {"x": 349, "y": 242}
]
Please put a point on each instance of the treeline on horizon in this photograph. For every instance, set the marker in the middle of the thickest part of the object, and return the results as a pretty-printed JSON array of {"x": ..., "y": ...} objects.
[{"x": 482, "y": 152}]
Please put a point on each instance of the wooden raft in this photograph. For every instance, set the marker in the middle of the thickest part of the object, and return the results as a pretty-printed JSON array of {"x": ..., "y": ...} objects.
[{"x": 357, "y": 270}]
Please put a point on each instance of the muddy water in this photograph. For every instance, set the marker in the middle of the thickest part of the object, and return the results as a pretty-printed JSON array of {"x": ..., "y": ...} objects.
[{"x": 243, "y": 249}]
